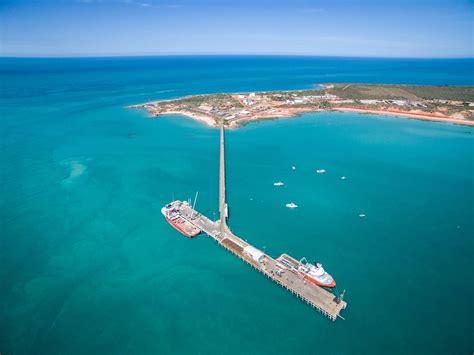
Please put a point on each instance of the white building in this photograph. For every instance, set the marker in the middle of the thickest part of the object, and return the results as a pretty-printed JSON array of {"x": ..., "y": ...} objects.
[
  {"x": 371, "y": 102},
  {"x": 205, "y": 107},
  {"x": 254, "y": 253}
]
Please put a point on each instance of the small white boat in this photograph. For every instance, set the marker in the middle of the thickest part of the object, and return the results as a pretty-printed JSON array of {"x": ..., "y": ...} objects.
[
  {"x": 293, "y": 167},
  {"x": 343, "y": 178},
  {"x": 279, "y": 183},
  {"x": 362, "y": 215},
  {"x": 291, "y": 205},
  {"x": 320, "y": 171}
]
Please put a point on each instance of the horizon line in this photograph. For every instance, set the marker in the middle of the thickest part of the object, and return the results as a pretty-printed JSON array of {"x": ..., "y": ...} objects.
[{"x": 92, "y": 56}]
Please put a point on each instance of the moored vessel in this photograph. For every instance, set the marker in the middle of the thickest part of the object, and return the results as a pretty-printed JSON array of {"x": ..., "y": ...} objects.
[
  {"x": 314, "y": 273},
  {"x": 182, "y": 225}
]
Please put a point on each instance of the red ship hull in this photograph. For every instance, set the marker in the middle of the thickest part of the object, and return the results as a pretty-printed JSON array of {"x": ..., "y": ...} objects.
[
  {"x": 175, "y": 226},
  {"x": 310, "y": 279}
]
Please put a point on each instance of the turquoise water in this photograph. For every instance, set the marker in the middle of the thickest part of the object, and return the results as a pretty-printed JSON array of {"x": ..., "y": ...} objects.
[{"x": 88, "y": 265}]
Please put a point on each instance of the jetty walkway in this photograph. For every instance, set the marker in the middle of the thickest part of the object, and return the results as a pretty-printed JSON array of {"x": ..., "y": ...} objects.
[{"x": 317, "y": 297}]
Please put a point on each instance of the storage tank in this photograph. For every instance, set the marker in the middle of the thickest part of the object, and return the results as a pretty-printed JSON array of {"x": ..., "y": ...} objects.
[{"x": 254, "y": 253}]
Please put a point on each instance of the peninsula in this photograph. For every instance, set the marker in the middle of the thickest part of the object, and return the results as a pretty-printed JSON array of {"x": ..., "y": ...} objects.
[{"x": 454, "y": 104}]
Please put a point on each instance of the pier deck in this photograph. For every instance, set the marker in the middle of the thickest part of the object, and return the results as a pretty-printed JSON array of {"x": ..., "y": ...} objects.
[{"x": 318, "y": 297}]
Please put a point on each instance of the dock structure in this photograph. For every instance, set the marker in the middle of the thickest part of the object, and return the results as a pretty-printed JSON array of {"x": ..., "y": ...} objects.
[
  {"x": 223, "y": 208},
  {"x": 317, "y": 297}
]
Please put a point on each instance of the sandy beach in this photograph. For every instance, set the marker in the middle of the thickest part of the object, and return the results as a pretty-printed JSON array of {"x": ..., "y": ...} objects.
[
  {"x": 198, "y": 117},
  {"x": 295, "y": 112},
  {"x": 239, "y": 109},
  {"x": 416, "y": 115}
]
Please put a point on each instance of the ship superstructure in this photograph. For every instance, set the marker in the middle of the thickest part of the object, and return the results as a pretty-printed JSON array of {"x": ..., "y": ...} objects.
[
  {"x": 314, "y": 273},
  {"x": 173, "y": 216}
]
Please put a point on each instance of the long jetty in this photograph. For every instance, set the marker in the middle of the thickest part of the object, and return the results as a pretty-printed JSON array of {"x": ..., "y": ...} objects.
[{"x": 317, "y": 297}]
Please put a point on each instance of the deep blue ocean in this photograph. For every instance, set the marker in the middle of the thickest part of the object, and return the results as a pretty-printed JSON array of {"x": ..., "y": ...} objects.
[{"x": 89, "y": 266}]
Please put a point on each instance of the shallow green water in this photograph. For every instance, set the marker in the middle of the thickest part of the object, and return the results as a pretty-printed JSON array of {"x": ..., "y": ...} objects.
[{"x": 88, "y": 265}]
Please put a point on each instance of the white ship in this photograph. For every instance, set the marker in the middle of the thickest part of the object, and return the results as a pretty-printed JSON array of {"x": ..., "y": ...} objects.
[
  {"x": 311, "y": 272},
  {"x": 291, "y": 205},
  {"x": 315, "y": 274}
]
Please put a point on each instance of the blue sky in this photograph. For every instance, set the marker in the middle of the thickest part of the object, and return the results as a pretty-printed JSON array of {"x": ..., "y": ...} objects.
[{"x": 403, "y": 28}]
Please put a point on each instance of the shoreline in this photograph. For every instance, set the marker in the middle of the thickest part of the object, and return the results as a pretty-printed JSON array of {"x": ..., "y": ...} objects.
[
  {"x": 453, "y": 104},
  {"x": 209, "y": 121},
  {"x": 405, "y": 114}
]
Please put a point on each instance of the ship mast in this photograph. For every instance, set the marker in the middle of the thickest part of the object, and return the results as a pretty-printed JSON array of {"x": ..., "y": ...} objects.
[{"x": 194, "y": 203}]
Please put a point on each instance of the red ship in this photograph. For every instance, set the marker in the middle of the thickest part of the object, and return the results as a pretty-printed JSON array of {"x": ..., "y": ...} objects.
[{"x": 182, "y": 225}]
